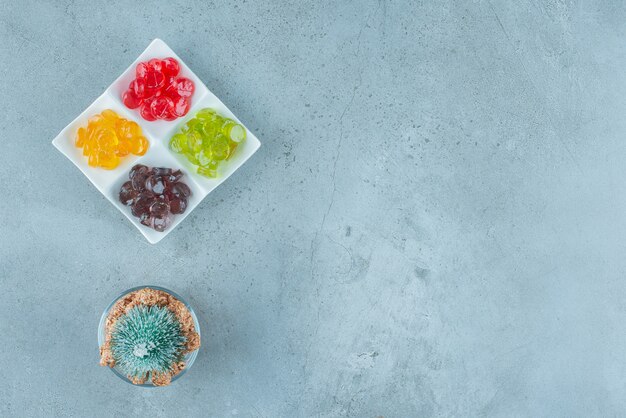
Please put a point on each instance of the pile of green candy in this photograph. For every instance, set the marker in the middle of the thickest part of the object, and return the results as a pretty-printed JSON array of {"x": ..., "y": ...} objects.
[{"x": 208, "y": 139}]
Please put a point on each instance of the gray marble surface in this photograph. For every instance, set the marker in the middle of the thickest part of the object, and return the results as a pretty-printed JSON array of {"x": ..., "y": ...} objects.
[{"x": 434, "y": 225}]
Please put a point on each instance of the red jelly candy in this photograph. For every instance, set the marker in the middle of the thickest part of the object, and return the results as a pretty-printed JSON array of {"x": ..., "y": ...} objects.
[
  {"x": 170, "y": 67},
  {"x": 155, "y": 65},
  {"x": 141, "y": 70},
  {"x": 131, "y": 100},
  {"x": 170, "y": 88},
  {"x": 154, "y": 80},
  {"x": 184, "y": 87},
  {"x": 158, "y": 91},
  {"x": 170, "y": 116},
  {"x": 169, "y": 112},
  {"x": 181, "y": 106},
  {"x": 138, "y": 86},
  {"x": 160, "y": 107},
  {"x": 145, "y": 111}
]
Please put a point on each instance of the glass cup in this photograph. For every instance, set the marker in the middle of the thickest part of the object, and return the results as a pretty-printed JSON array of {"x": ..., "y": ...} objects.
[{"x": 189, "y": 358}]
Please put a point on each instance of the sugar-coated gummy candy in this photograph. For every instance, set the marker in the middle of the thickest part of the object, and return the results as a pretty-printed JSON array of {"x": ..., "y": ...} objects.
[
  {"x": 178, "y": 205},
  {"x": 174, "y": 176},
  {"x": 160, "y": 171},
  {"x": 128, "y": 195},
  {"x": 180, "y": 190},
  {"x": 154, "y": 194},
  {"x": 160, "y": 222},
  {"x": 138, "y": 168},
  {"x": 158, "y": 91},
  {"x": 138, "y": 174},
  {"x": 159, "y": 207},
  {"x": 141, "y": 205},
  {"x": 207, "y": 139},
  {"x": 108, "y": 138},
  {"x": 155, "y": 184}
]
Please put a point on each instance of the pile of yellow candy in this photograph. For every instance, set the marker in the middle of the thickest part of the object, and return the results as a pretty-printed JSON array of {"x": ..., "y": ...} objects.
[{"x": 109, "y": 137}]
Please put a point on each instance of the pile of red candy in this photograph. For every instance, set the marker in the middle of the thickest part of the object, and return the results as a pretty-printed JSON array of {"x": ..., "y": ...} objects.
[{"x": 158, "y": 91}]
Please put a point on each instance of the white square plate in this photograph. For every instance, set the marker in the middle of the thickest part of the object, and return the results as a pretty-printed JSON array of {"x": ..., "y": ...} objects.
[{"x": 158, "y": 134}]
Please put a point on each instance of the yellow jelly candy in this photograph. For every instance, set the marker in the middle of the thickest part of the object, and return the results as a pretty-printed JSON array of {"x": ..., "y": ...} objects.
[
  {"x": 93, "y": 160},
  {"x": 123, "y": 148},
  {"x": 80, "y": 137},
  {"x": 108, "y": 137},
  {"x": 108, "y": 159},
  {"x": 109, "y": 114},
  {"x": 139, "y": 145},
  {"x": 134, "y": 128}
]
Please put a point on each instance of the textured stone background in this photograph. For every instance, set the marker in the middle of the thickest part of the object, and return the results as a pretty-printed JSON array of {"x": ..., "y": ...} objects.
[{"x": 434, "y": 225}]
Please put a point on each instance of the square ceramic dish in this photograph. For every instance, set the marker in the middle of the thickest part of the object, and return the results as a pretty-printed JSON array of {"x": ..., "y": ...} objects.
[{"x": 108, "y": 182}]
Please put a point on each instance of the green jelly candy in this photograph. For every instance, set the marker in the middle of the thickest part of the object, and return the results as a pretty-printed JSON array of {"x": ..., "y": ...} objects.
[
  {"x": 209, "y": 129},
  {"x": 233, "y": 146},
  {"x": 191, "y": 157},
  {"x": 178, "y": 143},
  {"x": 194, "y": 142},
  {"x": 237, "y": 133},
  {"x": 207, "y": 139},
  {"x": 192, "y": 124},
  {"x": 220, "y": 148},
  {"x": 206, "y": 142},
  {"x": 227, "y": 126},
  {"x": 206, "y": 113},
  {"x": 219, "y": 120},
  {"x": 204, "y": 158},
  {"x": 208, "y": 171}
]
